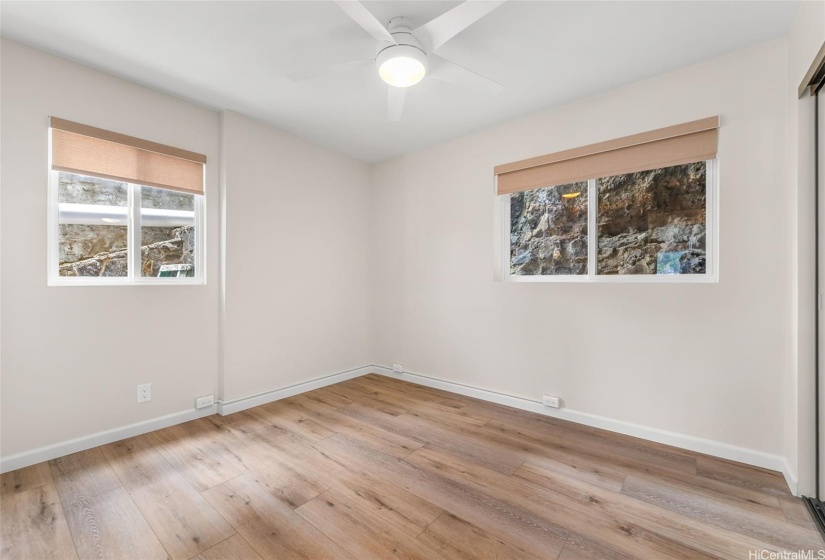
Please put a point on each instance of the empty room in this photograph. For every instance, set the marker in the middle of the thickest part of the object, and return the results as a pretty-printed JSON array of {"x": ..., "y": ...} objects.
[{"x": 478, "y": 279}]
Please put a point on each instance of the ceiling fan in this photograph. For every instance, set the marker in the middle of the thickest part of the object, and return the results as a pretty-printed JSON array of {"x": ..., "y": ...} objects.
[{"x": 405, "y": 53}]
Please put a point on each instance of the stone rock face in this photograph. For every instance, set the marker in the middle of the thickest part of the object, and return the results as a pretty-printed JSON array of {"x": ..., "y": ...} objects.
[
  {"x": 649, "y": 222},
  {"x": 169, "y": 200},
  {"x": 548, "y": 233},
  {"x": 102, "y": 264},
  {"x": 79, "y": 242},
  {"x": 179, "y": 249},
  {"x": 79, "y": 189},
  {"x": 653, "y": 222}
]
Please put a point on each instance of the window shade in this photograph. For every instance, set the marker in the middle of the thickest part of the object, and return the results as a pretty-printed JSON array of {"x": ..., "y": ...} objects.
[
  {"x": 675, "y": 145},
  {"x": 86, "y": 150}
]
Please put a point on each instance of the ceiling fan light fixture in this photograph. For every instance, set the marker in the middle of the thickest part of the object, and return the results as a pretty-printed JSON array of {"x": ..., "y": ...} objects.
[{"x": 402, "y": 65}]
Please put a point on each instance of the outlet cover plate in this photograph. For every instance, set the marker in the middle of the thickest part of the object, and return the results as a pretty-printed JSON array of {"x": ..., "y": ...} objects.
[
  {"x": 551, "y": 401},
  {"x": 144, "y": 393},
  {"x": 398, "y": 368},
  {"x": 203, "y": 402}
]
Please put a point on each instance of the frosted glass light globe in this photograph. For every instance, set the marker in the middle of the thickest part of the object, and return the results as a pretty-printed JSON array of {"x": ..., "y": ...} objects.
[{"x": 402, "y": 65}]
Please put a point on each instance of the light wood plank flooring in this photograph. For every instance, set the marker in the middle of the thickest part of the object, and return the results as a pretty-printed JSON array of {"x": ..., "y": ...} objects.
[{"x": 379, "y": 468}]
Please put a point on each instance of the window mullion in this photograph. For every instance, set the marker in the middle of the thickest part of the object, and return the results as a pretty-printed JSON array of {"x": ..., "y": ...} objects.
[
  {"x": 711, "y": 217},
  {"x": 133, "y": 233},
  {"x": 592, "y": 234},
  {"x": 506, "y": 243},
  {"x": 200, "y": 238},
  {"x": 54, "y": 228}
]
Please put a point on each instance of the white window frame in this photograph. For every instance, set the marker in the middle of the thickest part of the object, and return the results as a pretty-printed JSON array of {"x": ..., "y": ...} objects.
[
  {"x": 710, "y": 276},
  {"x": 133, "y": 277}
]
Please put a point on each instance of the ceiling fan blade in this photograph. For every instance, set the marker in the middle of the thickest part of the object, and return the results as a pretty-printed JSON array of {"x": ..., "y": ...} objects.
[
  {"x": 395, "y": 103},
  {"x": 436, "y": 32},
  {"x": 329, "y": 70},
  {"x": 365, "y": 19},
  {"x": 446, "y": 71}
]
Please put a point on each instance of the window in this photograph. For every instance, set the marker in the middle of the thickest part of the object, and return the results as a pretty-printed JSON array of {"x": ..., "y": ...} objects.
[
  {"x": 92, "y": 233},
  {"x": 644, "y": 223},
  {"x": 654, "y": 222},
  {"x": 647, "y": 224},
  {"x": 167, "y": 234},
  {"x": 96, "y": 219},
  {"x": 548, "y": 231},
  {"x": 123, "y": 210}
]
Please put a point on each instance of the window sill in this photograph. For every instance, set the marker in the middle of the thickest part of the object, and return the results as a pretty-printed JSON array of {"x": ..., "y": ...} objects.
[
  {"x": 616, "y": 279},
  {"x": 125, "y": 282}
]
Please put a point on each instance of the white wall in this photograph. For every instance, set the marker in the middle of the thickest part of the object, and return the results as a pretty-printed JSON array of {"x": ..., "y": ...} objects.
[
  {"x": 293, "y": 306},
  {"x": 706, "y": 361},
  {"x": 72, "y": 357},
  {"x": 297, "y": 246},
  {"x": 804, "y": 41}
]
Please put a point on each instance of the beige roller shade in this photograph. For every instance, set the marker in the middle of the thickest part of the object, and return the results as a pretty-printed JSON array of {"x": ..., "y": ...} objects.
[
  {"x": 674, "y": 145},
  {"x": 87, "y": 150}
]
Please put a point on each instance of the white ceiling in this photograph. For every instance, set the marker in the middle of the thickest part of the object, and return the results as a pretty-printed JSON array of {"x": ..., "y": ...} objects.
[{"x": 235, "y": 55}]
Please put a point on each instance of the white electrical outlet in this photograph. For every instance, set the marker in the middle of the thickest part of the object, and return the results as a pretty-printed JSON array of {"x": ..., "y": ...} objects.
[
  {"x": 398, "y": 368},
  {"x": 144, "y": 392},
  {"x": 203, "y": 402},
  {"x": 551, "y": 401}
]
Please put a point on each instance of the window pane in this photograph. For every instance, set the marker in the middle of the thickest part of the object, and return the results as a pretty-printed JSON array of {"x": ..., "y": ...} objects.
[
  {"x": 653, "y": 222},
  {"x": 92, "y": 226},
  {"x": 548, "y": 231},
  {"x": 167, "y": 233}
]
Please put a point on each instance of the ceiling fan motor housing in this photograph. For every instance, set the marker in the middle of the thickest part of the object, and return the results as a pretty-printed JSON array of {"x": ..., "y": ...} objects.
[{"x": 407, "y": 45}]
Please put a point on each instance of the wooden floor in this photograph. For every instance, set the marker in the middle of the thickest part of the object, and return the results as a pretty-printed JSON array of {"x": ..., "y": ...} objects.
[{"x": 379, "y": 468}]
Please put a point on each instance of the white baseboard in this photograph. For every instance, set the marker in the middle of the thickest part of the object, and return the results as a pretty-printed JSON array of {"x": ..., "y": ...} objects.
[
  {"x": 692, "y": 443},
  {"x": 236, "y": 405},
  {"x": 790, "y": 477},
  {"x": 683, "y": 441},
  {"x": 49, "y": 452}
]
